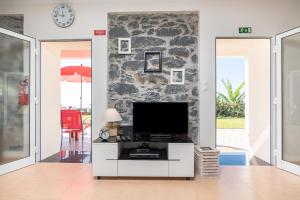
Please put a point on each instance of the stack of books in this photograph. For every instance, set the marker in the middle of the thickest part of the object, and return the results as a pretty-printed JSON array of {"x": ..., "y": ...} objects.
[{"x": 207, "y": 161}]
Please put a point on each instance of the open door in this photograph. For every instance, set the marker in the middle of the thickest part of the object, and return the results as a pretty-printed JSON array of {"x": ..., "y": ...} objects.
[
  {"x": 17, "y": 101},
  {"x": 287, "y": 100}
]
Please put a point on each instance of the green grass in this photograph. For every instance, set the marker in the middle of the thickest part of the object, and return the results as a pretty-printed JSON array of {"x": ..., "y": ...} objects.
[{"x": 230, "y": 123}]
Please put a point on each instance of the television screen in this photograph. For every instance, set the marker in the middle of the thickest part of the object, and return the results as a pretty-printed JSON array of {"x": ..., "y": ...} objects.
[{"x": 160, "y": 118}]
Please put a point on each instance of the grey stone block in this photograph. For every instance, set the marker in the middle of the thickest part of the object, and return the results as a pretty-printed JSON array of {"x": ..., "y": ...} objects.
[
  {"x": 137, "y": 32},
  {"x": 133, "y": 25},
  {"x": 194, "y": 58},
  {"x": 144, "y": 42},
  {"x": 175, "y": 89},
  {"x": 195, "y": 91},
  {"x": 118, "y": 32},
  {"x": 179, "y": 51},
  {"x": 152, "y": 96},
  {"x": 168, "y": 24},
  {"x": 184, "y": 40},
  {"x": 122, "y": 18},
  {"x": 172, "y": 62},
  {"x": 168, "y": 32},
  {"x": 123, "y": 88},
  {"x": 133, "y": 65}
]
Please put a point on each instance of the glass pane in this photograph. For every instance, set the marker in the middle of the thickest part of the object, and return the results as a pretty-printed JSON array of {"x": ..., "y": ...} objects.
[
  {"x": 14, "y": 98},
  {"x": 291, "y": 99}
]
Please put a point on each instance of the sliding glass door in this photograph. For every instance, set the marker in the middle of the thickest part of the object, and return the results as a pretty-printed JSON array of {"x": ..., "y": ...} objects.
[
  {"x": 288, "y": 115},
  {"x": 17, "y": 108}
]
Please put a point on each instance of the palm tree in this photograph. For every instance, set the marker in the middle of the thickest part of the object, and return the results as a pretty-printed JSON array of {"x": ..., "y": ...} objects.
[{"x": 234, "y": 100}]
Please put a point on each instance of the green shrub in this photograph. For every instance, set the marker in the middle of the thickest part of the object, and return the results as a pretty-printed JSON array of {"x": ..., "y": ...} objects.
[{"x": 232, "y": 104}]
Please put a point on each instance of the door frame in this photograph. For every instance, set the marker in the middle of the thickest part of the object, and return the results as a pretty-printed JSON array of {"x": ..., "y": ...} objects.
[
  {"x": 280, "y": 163},
  {"x": 39, "y": 88},
  {"x": 272, "y": 135},
  {"x": 31, "y": 159}
]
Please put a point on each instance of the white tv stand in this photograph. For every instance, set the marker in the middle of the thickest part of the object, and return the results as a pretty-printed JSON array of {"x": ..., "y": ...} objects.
[{"x": 179, "y": 161}]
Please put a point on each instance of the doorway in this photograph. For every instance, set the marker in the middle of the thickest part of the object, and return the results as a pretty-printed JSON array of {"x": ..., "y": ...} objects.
[
  {"x": 66, "y": 75},
  {"x": 243, "y": 100}
]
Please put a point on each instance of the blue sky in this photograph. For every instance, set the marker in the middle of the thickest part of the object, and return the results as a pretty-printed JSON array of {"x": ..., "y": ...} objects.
[{"x": 231, "y": 68}]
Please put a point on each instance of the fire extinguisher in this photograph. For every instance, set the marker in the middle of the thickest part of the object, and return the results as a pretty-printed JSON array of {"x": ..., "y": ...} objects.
[{"x": 23, "y": 92}]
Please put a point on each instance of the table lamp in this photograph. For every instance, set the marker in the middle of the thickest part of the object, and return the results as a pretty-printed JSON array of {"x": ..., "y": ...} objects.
[{"x": 111, "y": 116}]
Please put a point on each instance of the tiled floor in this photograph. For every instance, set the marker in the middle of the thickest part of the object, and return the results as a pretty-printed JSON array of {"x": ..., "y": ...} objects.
[
  {"x": 70, "y": 157},
  {"x": 53, "y": 181},
  {"x": 73, "y": 151},
  {"x": 77, "y": 145}
]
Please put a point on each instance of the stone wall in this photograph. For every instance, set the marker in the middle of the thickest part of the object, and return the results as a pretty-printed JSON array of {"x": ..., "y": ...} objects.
[
  {"x": 176, "y": 36},
  {"x": 12, "y": 22}
]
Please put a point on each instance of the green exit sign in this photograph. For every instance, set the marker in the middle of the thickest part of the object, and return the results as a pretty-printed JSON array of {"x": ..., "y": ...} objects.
[{"x": 245, "y": 30}]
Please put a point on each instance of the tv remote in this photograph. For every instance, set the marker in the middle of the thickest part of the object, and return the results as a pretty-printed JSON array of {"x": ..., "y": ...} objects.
[
  {"x": 118, "y": 139},
  {"x": 128, "y": 138},
  {"x": 123, "y": 138}
]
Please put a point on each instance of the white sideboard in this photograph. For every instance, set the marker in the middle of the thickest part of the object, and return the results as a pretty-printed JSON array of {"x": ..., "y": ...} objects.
[
  {"x": 181, "y": 159},
  {"x": 180, "y": 162},
  {"x": 105, "y": 159}
]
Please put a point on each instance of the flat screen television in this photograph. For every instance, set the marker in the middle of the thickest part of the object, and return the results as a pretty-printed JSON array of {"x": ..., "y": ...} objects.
[{"x": 164, "y": 118}]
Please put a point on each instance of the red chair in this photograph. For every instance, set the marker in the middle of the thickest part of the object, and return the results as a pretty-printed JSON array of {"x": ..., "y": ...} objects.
[{"x": 71, "y": 123}]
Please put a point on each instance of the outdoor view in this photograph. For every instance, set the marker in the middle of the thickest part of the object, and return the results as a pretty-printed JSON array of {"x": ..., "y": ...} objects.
[
  {"x": 232, "y": 139},
  {"x": 71, "y": 89},
  {"x": 76, "y": 98},
  {"x": 230, "y": 93}
]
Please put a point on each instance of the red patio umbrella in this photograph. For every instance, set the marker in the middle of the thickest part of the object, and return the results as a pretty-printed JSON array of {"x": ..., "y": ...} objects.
[{"x": 76, "y": 74}]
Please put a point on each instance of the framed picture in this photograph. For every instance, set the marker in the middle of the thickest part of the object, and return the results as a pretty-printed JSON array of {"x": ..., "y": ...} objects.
[
  {"x": 177, "y": 76},
  {"x": 124, "y": 45},
  {"x": 153, "y": 61}
]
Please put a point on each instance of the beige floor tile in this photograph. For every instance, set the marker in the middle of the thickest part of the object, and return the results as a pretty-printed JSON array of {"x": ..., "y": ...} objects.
[{"x": 51, "y": 181}]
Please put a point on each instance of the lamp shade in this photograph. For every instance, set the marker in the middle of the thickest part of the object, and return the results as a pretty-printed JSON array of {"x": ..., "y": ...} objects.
[{"x": 112, "y": 115}]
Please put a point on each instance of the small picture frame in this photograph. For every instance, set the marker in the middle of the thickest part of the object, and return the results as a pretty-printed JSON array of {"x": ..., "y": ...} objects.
[
  {"x": 153, "y": 61},
  {"x": 177, "y": 76},
  {"x": 124, "y": 45}
]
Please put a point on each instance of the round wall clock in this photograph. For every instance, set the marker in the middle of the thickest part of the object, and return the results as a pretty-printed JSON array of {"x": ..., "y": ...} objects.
[{"x": 63, "y": 15}]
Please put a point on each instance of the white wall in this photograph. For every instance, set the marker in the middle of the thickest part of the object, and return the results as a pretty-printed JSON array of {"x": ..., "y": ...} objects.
[
  {"x": 259, "y": 100},
  {"x": 50, "y": 102},
  {"x": 217, "y": 18}
]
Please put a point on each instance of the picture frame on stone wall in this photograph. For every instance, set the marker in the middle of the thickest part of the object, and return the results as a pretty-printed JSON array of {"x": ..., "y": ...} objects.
[
  {"x": 124, "y": 45},
  {"x": 177, "y": 76},
  {"x": 153, "y": 61}
]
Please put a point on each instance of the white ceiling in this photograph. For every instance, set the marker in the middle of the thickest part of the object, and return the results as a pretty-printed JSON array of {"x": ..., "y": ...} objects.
[
  {"x": 44, "y": 1},
  {"x": 76, "y": 1}
]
